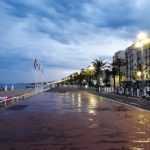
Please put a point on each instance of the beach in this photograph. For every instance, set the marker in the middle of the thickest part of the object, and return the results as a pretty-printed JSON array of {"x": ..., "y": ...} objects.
[{"x": 15, "y": 92}]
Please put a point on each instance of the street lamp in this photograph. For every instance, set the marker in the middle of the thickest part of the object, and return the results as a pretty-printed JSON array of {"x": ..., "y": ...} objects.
[
  {"x": 141, "y": 42},
  {"x": 91, "y": 67},
  {"x": 139, "y": 73},
  {"x": 141, "y": 36}
]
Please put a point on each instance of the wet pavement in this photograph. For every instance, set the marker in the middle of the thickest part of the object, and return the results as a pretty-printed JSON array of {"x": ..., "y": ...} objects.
[
  {"x": 73, "y": 120},
  {"x": 134, "y": 101}
]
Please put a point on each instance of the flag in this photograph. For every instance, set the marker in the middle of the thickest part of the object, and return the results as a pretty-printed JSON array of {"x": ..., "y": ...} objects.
[
  {"x": 35, "y": 64},
  {"x": 39, "y": 67},
  {"x": 42, "y": 70}
]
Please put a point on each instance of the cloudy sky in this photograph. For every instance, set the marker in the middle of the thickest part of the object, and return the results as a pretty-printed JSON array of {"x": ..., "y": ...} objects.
[{"x": 65, "y": 35}]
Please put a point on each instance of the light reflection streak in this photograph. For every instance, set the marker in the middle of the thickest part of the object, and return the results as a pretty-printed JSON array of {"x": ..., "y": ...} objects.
[
  {"x": 92, "y": 103},
  {"x": 79, "y": 100},
  {"x": 73, "y": 99},
  {"x": 142, "y": 119},
  {"x": 92, "y": 112},
  {"x": 142, "y": 141},
  {"x": 90, "y": 119},
  {"x": 79, "y": 103},
  {"x": 140, "y": 132},
  {"x": 136, "y": 148},
  {"x": 94, "y": 125}
]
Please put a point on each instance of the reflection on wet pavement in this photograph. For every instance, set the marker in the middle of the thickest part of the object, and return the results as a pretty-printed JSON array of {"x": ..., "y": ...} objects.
[{"x": 73, "y": 121}]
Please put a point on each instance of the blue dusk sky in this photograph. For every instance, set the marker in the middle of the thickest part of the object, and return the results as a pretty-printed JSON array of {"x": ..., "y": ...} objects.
[{"x": 65, "y": 35}]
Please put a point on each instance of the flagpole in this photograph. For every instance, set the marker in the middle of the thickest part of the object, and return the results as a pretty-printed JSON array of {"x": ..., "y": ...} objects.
[
  {"x": 38, "y": 76},
  {"x": 35, "y": 66},
  {"x": 41, "y": 78},
  {"x": 35, "y": 80},
  {"x": 39, "y": 67},
  {"x": 42, "y": 73}
]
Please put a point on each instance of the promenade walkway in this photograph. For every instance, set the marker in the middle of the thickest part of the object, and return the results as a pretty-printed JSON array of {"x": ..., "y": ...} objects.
[
  {"x": 134, "y": 101},
  {"x": 72, "y": 119}
]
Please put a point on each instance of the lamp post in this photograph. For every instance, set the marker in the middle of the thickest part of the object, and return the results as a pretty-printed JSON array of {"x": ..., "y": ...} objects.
[
  {"x": 91, "y": 69},
  {"x": 142, "y": 41}
]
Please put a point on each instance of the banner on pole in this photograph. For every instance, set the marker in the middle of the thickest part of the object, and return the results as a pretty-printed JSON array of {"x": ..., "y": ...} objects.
[{"x": 36, "y": 65}]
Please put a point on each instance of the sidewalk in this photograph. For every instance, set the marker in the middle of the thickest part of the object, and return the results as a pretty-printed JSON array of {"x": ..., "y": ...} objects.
[{"x": 134, "y": 101}]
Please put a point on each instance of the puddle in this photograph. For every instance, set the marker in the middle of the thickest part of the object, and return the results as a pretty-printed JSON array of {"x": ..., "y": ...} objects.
[
  {"x": 103, "y": 109},
  {"x": 17, "y": 107}
]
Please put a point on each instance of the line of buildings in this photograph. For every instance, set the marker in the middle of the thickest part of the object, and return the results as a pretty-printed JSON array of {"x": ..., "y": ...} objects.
[{"x": 136, "y": 70}]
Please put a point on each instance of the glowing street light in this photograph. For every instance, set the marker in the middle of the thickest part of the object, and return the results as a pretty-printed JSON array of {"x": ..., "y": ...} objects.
[
  {"x": 139, "y": 73},
  {"x": 141, "y": 36},
  {"x": 138, "y": 45},
  {"x": 146, "y": 41},
  {"x": 142, "y": 43}
]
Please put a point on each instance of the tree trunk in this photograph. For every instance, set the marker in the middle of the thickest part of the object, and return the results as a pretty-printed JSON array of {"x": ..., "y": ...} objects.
[
  {"x": 119, "y": 77},
  {"x": 114, "y": 83},
  {"x": 98, "y": 80},
  {"x": 89, "y": 81}
]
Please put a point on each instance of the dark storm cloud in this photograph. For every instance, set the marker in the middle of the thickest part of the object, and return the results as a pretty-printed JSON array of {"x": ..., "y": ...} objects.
[{"x": 67, "y": 34}]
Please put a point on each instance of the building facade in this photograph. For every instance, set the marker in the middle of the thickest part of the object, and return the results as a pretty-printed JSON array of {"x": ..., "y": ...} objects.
[
  {"x": 119, "y": 54},
  {"x": 137, "y": 60}
]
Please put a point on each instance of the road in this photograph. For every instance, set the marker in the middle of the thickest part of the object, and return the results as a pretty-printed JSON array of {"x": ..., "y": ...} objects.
[{"x": 73, "y": 120}]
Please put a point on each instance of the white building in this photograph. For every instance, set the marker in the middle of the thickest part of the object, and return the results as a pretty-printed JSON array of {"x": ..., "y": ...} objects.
[
  {"x": 136, "y": 59},
  {"x": 119, "y": 54}
]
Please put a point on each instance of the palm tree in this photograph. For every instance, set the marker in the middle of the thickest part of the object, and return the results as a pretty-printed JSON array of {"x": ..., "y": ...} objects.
[
  {"x": 114, "y": 72},
  {"x": 88, "y": 76},
  {"x": 71, "y": 79},
  {"x": 107, "y": 77},
  {"x": 99, "y": 65},
  {"x": 75, "y": 78},
  {"x": 81, "y": 77},
  {"x": 118, "y": 63}
]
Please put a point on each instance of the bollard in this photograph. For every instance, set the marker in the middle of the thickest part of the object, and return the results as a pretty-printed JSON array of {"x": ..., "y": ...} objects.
[
  {"x": 112, "y": 89},
  {"x": 138, "y": 93},
  {"x": 144, "y": 92},
  {"x": 131, "y": 91},
  {"x": 12, "y": 87},
  {"x": 5, "y": 87}
]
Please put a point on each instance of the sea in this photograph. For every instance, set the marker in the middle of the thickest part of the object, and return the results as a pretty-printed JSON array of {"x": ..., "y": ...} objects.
[{"x": 16, "y": 86}]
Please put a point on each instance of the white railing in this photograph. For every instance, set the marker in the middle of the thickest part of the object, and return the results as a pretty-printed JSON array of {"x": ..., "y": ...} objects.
[{"x": 5, "y": 102}]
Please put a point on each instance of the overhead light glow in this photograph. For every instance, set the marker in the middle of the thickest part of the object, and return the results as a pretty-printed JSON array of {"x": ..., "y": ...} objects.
[{"x": 142, "y": 36}]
